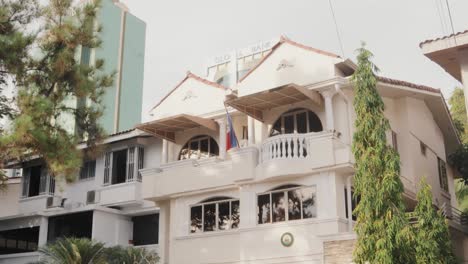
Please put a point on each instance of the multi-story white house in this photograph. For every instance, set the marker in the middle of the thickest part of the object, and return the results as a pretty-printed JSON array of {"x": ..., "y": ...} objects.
[
  {"x": 283, "y": 196},
  {"x": 105, "y": 202}
]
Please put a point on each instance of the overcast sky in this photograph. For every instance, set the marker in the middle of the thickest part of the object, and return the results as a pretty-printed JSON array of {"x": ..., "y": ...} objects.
[{"x": 182, "y": 35}]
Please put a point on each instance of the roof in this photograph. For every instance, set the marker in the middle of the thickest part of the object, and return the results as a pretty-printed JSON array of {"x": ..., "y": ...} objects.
[
  {"x": 283, "y": 40},
  {"x": 190, "y": 75},
  {"x": 408, "y": 84},
  {"x": 442, "y": 38}
]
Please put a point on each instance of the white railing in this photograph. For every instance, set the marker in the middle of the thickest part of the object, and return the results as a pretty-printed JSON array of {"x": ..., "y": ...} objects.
[{"x": 289, "y": 146}]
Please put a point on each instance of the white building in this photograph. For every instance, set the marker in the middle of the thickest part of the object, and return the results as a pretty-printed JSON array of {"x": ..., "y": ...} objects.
[
  {"x": 105, "y": 203},
  {"x": 284, "y": 195}
]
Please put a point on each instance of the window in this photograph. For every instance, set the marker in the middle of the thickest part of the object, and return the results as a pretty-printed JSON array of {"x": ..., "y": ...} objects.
[
  {"x": 354, "y": 202},
  {"x": 443, "y": 175},
  {"x": 423, "y": 148},
  {"x": 19, "y": 240},
  {"x": 199, "y": 147},
  {"x": 36, "y": 181},
  {"x": 296, "y": 121},
  {"x": 77, "y": 225},
  {"x": 394, "y": 140},
  {"x": 88, "y": 170},
  {"x": 145, "y": 229},
  {"x": 287, "y": 203},
  {"x": 220, "y": 213},
  {"x": 123, "y": 165}
]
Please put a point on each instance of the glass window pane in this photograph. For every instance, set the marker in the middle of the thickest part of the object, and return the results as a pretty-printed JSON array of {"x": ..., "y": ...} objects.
[
  {"x": 276, "y": 130},
  {"x": 204, "y": 151},
  {"x": 279, "y": 205},
  {"x": 301, "y": 119},
  {"x": 209, "y": 217},
  {"x": 196, "y": 219},
  {"x": 314, "y": 123},
  {"x": 223, "y": 216},
  {"x": 294, "y": 204},
  {"x": 263, "y": 208},
  {"x": 235, "y": 214},
  {"x": 193, "y": 149},
  {"x": 309, "y": 207},
  {"x": 288, "y": 124},
  {"x": 214, "y": 149}
]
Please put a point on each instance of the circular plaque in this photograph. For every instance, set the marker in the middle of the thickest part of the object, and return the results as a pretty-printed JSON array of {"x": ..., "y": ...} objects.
[{"x": 287, "y": 239}]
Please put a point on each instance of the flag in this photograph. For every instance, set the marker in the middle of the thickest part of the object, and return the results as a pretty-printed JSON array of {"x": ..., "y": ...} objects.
[{"x": 231, "y": 139}]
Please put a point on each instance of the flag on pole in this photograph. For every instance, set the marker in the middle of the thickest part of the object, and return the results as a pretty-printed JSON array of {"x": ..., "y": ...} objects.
[{"x": 231, "y": 139}]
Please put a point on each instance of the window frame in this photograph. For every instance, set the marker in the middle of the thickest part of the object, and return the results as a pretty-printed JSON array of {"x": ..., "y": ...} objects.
[
  {"x": 83, "y": 176},
  {"x": 294, "y": 113},
  {"x": 198, "y": 139},
  {"x": 136, "y": 152},
  {"x": 216, "y": 228},
  {"x": 443, "y": 177},
  {"x": 286, "y": 213}
]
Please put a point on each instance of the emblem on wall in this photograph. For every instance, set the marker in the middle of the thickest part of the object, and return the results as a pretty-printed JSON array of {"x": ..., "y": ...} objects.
[
  {"x": 283, "y": 64},
  {"x": 287, "y": 239},
  {"x": 189, "y": 95}
]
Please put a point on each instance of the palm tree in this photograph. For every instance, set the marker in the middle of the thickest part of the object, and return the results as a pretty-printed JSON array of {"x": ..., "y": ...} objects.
[
  {"x": 73, "y": 251},
  {"x": 130, "y": 255}
]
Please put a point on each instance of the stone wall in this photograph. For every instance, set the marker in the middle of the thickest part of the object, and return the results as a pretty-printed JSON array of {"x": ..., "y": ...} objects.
[{"x": 338, "y": 251}]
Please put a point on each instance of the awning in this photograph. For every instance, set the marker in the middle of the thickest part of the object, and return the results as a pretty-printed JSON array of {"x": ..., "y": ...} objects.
[
  {"x": 167, "y": 127},
  {"x": 254, "y": 104}
]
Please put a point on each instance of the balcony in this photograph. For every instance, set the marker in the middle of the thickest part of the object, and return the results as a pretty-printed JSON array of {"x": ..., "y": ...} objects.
[
  {"x": 294, "y": 154},
  {"x": 192, "y": 175},
  {"x": 122, "y": 194}
]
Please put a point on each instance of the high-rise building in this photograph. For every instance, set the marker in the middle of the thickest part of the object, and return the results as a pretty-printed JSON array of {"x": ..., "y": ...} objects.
[{"x": 123, "y": 50}]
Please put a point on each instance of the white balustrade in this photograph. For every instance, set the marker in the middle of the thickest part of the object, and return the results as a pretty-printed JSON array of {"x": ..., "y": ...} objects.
[{"x": 288, "y": 146}]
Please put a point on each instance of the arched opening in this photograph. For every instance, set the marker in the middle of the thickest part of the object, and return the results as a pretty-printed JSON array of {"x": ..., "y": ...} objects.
[
  {"x": 215, "y": 214},
  {"x": 299, "y": 120},
  {"x": 199, "y": 147}
]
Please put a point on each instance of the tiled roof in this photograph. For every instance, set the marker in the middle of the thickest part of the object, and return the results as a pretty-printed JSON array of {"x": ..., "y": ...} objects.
[
  {"x": 188, "y": 76},
  {"x": 284, "y": 39},
  {"x": 408, "y": 84},
  {"x": 444, "y": 37}
]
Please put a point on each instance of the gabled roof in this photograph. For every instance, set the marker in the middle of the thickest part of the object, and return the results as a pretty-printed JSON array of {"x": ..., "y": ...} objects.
[
  {"x": 283, "y": 40},
  {"x": 190, "y": 75},
  {"x": 407, "y": 84},
  {"x": 444, "y": 37}
]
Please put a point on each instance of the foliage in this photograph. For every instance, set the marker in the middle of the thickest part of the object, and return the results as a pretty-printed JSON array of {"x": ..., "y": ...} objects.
[
  {"x": 85, "y": 251},
  {"x": 459, "y": 159},
  {"x": 48, "y": 86},
  {"x": 382, "y": 228},
  {"x": 130, "y": 255},
  {"x": 461, "y": 192},
  {"x": 432, "y": 241},
  {"x": 73, "y": 251}
]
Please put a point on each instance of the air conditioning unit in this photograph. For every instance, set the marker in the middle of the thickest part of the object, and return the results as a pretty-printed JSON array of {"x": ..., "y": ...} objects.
[
  {"x": 92, "y": 197},
  {"x": 55, "y": 201}
]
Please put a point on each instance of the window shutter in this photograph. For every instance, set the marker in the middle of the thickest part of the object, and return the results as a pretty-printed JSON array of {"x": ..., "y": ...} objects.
[
  {"x": 131, "y": 164},
  {"x": 26, "y": 175},
  {"x": 107, "y": 167},
  {"x": 141, "y": 158}
]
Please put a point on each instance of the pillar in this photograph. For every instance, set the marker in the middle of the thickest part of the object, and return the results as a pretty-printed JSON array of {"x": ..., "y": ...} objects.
[
  {"x": 329, "y": 119},
  {"x": 164, "y": 153},
  {"x": 222, "y": 137},
  {"x": 349, "y": 200},
  {"x": 43, "y": 228},
  {"x": 251, "y": 130},
  {"x": 164, "y": 231}
]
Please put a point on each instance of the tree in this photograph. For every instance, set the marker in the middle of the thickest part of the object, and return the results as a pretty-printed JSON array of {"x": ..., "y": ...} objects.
[
  {"x": 458, "y": 112},
  {"x": 52, "y": 80},
  {"x": 431, "y": 232},
  {"x": 73, "y": 251},
  {"x": 383, "y": 233}
]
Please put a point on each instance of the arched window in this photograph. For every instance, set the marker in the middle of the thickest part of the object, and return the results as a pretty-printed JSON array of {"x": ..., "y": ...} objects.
[
  {"x": 298, "y": 120},
  {"x": 287, "y": 203},
  {"x": 214, "y": 214},
  {"x": 199, "y": 147}
]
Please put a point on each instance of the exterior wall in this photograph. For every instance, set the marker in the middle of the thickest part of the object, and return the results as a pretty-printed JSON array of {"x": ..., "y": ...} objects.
[
  {"x": 9, "y": 198},
  {"x": 131, "y": 91},
  {"x": 112, "y": 229},
  {"x": 338, "y": 251}
]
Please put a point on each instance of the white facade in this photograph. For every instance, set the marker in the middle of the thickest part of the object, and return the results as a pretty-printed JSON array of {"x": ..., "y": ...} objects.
[
  {"x": 193, "y": 194},
  {"x": 114, "y": 208}
]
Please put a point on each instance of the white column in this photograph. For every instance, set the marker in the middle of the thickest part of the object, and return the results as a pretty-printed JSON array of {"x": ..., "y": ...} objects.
[
  {"x": 328, "y": 96},
  {"x": 222, "y": 137},
  {"x": 251, "y": 130},
  {"x": 43, "y": 228},
  {"x": 463, "y": 57},
  {"x": 164, "y": 153},
  {"x": 164, "y": 228}
]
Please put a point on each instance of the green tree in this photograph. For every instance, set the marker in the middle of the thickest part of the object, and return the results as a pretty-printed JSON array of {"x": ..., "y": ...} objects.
[
  {"x": 458, "y": 112},
  {"x": 52, "y": 80},
  {"x": 431, "y": 232},
  {"x": 382, "y": 229},
  {"x": 73, "y": 251},
  {"x": 130, "y": 255}
]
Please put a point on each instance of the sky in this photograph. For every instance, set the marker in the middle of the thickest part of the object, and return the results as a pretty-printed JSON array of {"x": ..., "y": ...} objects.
[{"x": 183, "y": 35}]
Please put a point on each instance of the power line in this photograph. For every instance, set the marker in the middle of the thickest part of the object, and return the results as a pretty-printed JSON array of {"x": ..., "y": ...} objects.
[
  {"x": 336, "y": 28},
  {"x": 441, "y": 18},
  {"x": 451, "y": 21}
]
